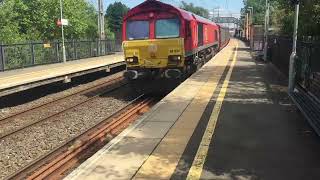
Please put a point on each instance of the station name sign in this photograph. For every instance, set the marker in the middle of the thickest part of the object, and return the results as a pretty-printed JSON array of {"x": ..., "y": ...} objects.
[{"x": 62, "y": 22}]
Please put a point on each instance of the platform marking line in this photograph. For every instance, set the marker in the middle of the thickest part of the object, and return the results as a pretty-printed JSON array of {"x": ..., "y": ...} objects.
[{"x": 199, "y": 160}]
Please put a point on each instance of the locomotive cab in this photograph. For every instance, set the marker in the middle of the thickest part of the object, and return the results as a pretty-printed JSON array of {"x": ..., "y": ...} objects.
[{"x": 153, "y": 45}]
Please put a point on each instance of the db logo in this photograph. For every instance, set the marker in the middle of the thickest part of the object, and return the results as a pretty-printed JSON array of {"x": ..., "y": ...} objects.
[{"x": 152, "y": 48}]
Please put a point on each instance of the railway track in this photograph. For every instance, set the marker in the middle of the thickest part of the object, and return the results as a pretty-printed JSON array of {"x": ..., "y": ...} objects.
[
  {"x": 109, "y": 81},
  {"x": 55, "y": 164},
  {"x": 102, "y": 88}
]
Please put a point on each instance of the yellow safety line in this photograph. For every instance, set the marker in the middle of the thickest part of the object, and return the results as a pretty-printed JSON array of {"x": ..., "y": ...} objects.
[{"x": 199, "y": 160}]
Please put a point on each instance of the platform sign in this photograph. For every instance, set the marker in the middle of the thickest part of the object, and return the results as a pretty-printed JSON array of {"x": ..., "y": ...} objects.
[
  {"x": 62, "y": 22},
  {"x": 47, "y": 45}
]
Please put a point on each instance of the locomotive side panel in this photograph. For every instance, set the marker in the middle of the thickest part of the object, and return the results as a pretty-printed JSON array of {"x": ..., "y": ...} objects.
[
  {"x": 206, "y": 35},
  {"x": 194, "y": 26},
  {"x": 209, "y": 34}
]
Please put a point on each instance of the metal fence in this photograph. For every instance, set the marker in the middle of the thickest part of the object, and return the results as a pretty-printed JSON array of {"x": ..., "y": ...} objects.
[
  {"x": 307, "y": 66},
  {"x": 279, "y": 51},
  {"x": 257, "y": 37},
  {"x": 16, "y": 56}
]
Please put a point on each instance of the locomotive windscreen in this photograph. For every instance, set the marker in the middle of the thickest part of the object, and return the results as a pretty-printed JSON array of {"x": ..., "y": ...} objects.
[
  {"x": 167, "y": 28},
  {"x": 137, "y": 30}
]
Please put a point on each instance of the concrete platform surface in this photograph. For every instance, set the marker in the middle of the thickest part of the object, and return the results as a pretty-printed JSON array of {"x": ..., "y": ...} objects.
[
  {"x": 21, "y": 79},
  {"x": 230, "y": 120}
]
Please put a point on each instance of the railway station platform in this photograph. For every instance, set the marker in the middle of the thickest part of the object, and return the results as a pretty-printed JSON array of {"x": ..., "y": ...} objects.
[
  {"x": 232, "y": 119},
  {"x": 22, "y": 79}
]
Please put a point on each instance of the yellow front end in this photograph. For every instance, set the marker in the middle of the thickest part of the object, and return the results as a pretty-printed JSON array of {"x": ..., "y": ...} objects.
[{"x": 154, "y": 53}]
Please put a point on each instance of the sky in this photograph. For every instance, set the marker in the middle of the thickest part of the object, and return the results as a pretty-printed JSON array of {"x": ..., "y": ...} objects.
[{"x": 226, "y": 7}]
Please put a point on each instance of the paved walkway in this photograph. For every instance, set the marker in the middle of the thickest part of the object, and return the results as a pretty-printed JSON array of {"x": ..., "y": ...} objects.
[
  {"x": 259, "y": 133},
  {"x": 20, "y": 77}
]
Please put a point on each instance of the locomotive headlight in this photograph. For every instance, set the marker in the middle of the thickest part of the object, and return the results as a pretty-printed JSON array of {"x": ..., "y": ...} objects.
[
  {"x": 174, "y": 59},
  {"x": 133, "y": 59},
  {"x": 130, "y": 60}
]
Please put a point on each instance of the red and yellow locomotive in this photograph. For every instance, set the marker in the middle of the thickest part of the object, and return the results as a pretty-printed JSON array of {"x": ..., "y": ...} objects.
[{"x": 163, "y": 42}]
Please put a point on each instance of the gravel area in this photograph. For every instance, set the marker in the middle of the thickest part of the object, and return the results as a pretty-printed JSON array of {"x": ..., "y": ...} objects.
[
  {"x": 13, "y": 104},
  {"x": 21, "y": 148}
]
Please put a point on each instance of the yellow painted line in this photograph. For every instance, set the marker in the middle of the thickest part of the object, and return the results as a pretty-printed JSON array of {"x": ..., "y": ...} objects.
[{"x": 199, "y": 160}]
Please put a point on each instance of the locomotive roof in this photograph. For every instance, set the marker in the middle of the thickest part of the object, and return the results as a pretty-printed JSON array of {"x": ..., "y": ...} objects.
[{"x": 157, "y": 5}]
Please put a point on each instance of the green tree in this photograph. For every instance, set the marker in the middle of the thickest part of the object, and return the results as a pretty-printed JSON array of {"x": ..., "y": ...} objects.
[
  {"x": 114, "y": 17},
  {"x": 108, "y": 32},
  {"x": 282, "y": 15},
  {"x": 9, "y": 27},
  {"x": 195, "y": 9},
  {"x": 32, "y": 20},
  {"x": 258, "y": 10}
]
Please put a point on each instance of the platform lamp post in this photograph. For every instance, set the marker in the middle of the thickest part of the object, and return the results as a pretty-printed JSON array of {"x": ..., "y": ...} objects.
[
  {"x": 251, "y": 14},
  {"x": 242, "y": 25},
  {"x": 101, "y": 30},
  {"x": 247, "y": 26},
  {"x": 293, "y": 56},
  {"x": 250, "y": 25},
  {"x": 266, "y": 31},
  {"x": 62, "y": 33}
]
